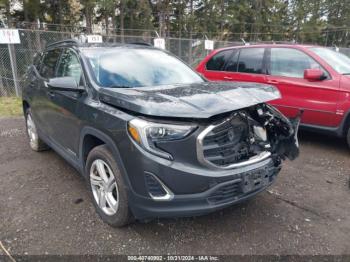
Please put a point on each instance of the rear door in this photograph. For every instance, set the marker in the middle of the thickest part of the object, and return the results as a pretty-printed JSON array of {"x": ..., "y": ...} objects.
[
  {"x": 247, "y": 65},
  {"x": 318, "y": 99}
]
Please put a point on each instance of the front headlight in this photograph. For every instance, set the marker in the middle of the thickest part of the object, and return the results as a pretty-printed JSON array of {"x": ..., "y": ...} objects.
[{"x": 148, "y": 134}]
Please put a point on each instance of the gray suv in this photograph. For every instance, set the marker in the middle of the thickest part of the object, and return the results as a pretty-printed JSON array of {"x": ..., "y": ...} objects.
[{"x": 149, "y": 134}]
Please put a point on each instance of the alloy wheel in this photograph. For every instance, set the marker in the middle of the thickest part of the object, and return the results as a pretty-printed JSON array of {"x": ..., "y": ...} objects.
[
  {"x": 104, "y": 187},
  {"x": 32, "y": 133}
]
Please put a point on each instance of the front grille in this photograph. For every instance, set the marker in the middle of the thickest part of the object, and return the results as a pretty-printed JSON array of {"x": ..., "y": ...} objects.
[
  {"x": 227, "y": 143},
  {"x": 225, "y": 193}
]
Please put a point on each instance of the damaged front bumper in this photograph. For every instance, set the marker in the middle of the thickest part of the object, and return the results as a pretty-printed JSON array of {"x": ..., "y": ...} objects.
[
  {"x": 221, "y": 191},
  {"x": 220, "y": 164}
]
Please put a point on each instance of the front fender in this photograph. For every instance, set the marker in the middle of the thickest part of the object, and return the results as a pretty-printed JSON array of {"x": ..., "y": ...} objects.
[{"x": 87, "y": 130}]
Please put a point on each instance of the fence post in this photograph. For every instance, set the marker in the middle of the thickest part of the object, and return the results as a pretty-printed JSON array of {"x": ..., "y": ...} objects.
[{"x": 13, "y": 67}]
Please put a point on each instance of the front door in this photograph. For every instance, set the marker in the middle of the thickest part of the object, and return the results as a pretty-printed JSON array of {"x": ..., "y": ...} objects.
[
  {"x": 63, "y": 104},
  {"x": 318, "y": 99},
  {"x": 41, "y": 103}
]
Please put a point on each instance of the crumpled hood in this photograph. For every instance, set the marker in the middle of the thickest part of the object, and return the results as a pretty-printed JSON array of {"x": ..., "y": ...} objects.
[{"x": 198, "y": 100}]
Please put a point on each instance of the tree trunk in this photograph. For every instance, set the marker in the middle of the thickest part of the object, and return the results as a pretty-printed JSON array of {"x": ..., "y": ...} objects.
[
  {"x": 114, "y": 24},
  {"x": 107, "y": 24},
  {"x": 222, "y": 7},
  {"x": 88, "y": 18},
  {"x": 60, "y": 16},
  {"x": 8, "y": 14},
  {"x": 191, "y": 33},
  {"x": 122, "y": 10}
]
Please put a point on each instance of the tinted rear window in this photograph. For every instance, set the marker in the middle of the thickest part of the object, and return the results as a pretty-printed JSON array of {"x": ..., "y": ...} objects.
[
  {"x": 251, "y": 60},
  {"x": 232, "y": 64},
  {"x": 217, "y": 62}
]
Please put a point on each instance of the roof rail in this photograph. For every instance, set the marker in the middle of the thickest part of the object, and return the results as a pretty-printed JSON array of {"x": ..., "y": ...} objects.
[
  {"x": 67, "y": 41},
  {"x": 275, "y": 42},
  {"x": 233, "y": 44}
]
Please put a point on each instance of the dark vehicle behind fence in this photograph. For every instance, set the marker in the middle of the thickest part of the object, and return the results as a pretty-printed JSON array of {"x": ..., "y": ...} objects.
[{"x": 150, "y": 135}]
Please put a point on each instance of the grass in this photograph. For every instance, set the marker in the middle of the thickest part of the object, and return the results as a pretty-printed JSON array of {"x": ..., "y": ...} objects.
[{"x": 10, "y": 106}]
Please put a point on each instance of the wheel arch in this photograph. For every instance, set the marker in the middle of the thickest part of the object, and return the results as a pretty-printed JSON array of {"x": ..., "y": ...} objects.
[
  {"x": 345, "y": 125},
  {"x": 25, "y": 105},
  {"x": 91, "y": 137}
]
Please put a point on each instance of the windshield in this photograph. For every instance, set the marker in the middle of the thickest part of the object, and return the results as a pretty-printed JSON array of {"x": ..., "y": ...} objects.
[
  {"x": 338, "y": 61},
  {"x": 137, "y": 67}
]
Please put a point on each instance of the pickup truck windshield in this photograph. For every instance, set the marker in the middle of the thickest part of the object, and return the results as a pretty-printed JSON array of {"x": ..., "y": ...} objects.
[
  {"x": 339, "y": 61},
  {"x": 137, "y": 67}
]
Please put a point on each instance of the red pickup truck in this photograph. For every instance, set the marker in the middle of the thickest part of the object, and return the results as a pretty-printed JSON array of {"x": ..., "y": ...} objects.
[{"x": 310, "y": 78}]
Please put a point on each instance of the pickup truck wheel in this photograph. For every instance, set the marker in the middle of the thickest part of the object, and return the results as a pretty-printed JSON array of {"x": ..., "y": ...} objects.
[
  {"x": 35, "y": 141},
  {"x": 107, "y": 187}
]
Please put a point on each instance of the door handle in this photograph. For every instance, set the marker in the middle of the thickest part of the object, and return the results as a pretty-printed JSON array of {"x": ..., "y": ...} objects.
[
  {"x": 272, "y": 82},
  {"x": 227, "y": 78}
]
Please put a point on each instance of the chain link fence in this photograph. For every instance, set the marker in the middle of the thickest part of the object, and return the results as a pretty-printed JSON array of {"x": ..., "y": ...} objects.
[{"x": 16, "y": 58}]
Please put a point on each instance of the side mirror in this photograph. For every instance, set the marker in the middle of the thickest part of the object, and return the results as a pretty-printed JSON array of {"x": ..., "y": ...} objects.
[
  {"x": 314, "y": 74},
  {"x": 66, "y": 83}
]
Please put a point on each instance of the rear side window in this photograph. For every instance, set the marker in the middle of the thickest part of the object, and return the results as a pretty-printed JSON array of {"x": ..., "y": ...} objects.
[
  {"x": 217, "y": 62},
  {"x": 290, "y": 62},
  {"x": 251, "y": 60},
  {"x": 48, "y": 66}
]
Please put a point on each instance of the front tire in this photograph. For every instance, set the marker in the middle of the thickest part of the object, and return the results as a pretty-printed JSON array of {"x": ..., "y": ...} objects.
[
  {"x": 107, "y": 187},
  {"x": 35, "y": 141}
]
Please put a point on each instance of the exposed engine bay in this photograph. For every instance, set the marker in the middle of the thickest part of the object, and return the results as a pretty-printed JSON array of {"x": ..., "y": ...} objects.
[
  {"x": 250, "y": 134},
  {"x": 280, "y": 132}
]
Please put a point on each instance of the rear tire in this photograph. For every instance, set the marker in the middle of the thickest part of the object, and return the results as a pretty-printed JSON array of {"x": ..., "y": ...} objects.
[
  {"x": 107, "y": 188},
  {"x": 35, "y": 141},
  {"x": 348, "y": 137}
]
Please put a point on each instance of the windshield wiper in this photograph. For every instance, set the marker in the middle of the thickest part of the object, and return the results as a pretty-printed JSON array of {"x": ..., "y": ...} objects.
[
  {"x": 345, "y": 74},
  {"x": 121, "y": 86}
]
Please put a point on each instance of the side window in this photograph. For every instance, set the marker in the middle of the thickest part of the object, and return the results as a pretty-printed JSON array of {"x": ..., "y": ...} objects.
[
  {"x": 232, "y": 64},
  {"x": 69, "y": 66},
  {"x": 251, "y": 60},
  {"x": 48, "y": 66},
  {"x": 217, "y": 62},
  {"x": 290, "y": 62}
]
